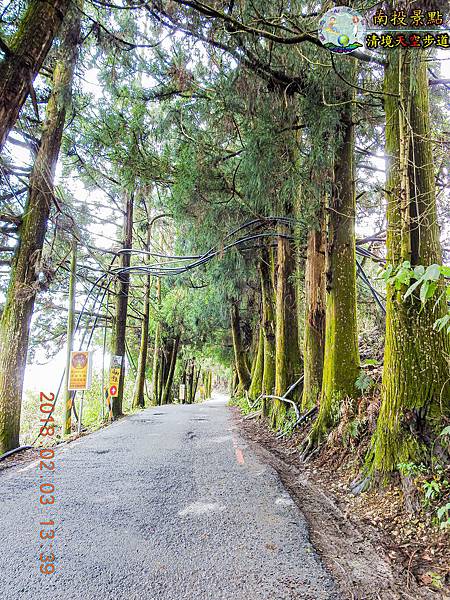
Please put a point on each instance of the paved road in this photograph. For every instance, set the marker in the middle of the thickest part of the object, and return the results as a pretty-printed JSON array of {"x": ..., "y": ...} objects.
[{"x": 169, "y": 504}]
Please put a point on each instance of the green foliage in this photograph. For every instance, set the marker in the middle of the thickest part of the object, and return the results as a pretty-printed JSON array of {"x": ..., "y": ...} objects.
[
  {"x": 30, "y": 418},
  {"x": 242, "y": 403},
  {"x": 425, "y": 279},
  {"x": 352, "y": 430},
  {"x": 364, "y": 382},
  {"x": 445, "y": 431},
  {"x": 443, "y": 515},
  {"x": 95, "y": 412},
  {"x": 422, "y": 280},
  {"x": 432, "y": 489},
  {"x": 437, "y": 487},
  {"x": 370, "y": 362},
  {"x": 442, "y": 323},
  {"x": 410, "y": 469},
  {"x": 289, "y": 421}
]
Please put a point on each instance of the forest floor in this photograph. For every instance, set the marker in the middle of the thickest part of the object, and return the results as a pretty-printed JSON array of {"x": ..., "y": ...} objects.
[{"x": 374, "y": 548}]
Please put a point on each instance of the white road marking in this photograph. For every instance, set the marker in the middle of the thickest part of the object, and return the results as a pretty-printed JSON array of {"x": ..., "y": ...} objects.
[
  {"x": 284, "y": 501},
  {"x": 201, "y": 508}
]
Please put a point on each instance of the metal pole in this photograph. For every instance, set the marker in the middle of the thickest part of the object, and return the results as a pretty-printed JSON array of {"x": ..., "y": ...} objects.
[
  {"x": 80, "y": 415},
  {"x": 103, "y": 358},
  {"x": 70, "y": 335}
]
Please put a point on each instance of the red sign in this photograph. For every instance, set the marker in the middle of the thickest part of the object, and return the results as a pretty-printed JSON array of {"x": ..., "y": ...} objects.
[{"x": 113, "y": 390}]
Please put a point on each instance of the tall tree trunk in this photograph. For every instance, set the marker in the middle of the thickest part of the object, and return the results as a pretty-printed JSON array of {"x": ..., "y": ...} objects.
[
  {"x": 314, "y": 335},
  {"x": 123, "y": 287},
  {"x": 138, "y": 395},
  {"x": 341, "y": 357},
  {"x": 239, "y": 354},
  {"x": 196, "y": 379},
  {"x": 23, "y": 285},
  {"x": 415, "y": 387},
  {"x": 162, "y": 364},
  {"x": 288, "y": 364},
  {"x": 27, "y": 51},
  {"x": 209, "y": 385},
  {"x": 257, "y": 375},
  {"x": 268, "y": 327},
  {"x": 190, "y": 381},
  {"x": 166, "y": 397},
  {"x": 252, "y": 355},
  {"x": 157, "y": 349},
  {"x": 234, "y": 381}
]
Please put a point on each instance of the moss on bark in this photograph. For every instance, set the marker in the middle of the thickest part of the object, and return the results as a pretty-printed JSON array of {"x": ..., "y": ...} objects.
[
  {"x": 341, "y": 356},
  {"x": 28, "y": 48},
  {"x": 173, "y": 354},
  {"x": 23, "y": 284},
  {"x": 415, "y": 386},
  {"x": 314, "y": 335},
  {"x": 288, "y": 364},
  {"x": 156, "y": 351},
  {"x": 257, "y": 377},
  {"x": 268, "y": 327},
  {"x": 239, "y": 354}
]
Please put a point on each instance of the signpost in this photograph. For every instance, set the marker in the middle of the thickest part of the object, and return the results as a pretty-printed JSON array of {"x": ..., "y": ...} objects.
[
  {"x": 112, "y": 391},
  {"x": 114, "y": 375},
  {"x": 80, "y": 372},
  {"x": 182, "y": 392}
]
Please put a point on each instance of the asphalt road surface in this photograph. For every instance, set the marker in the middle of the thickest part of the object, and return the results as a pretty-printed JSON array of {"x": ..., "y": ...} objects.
[{"x": 168, "y": 504}]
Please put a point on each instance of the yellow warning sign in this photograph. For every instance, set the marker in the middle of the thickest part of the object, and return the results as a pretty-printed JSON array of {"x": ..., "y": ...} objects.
[
  {"x": 114, "y": 375},
  {"x": 80, "y": 371},
  {"x": 114, "y": 378}
]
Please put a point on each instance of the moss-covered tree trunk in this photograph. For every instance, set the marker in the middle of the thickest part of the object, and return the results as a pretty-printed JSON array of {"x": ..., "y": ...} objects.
[
  {"x": 138, "y": 394},
  {"x": 416, "y": 381},
  {"x": 196, "y": 380},
  {"x": 209, "y": 385},
  {"x": 123, "y": 288},
  {"x": 239, "y": 353},
  {"x": 167, "y": 392},
  {"x": 314, "y": 333},
  {"x": 161, "y": 369},
  {"x": 23, "y": 285},
  {"x": 190, "y": 381},
  {"x": 156, "y": 348},
  {"x": 341, "y": 355},
  {"x": 234, "y": 382},
  {"x": 257, "y": 376},
  {"x": 28, "y": 48},
  {"x": 206, "y": 384},
  {"x": 268, "y": 327},
  {"x": 288, "y": 363}
]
